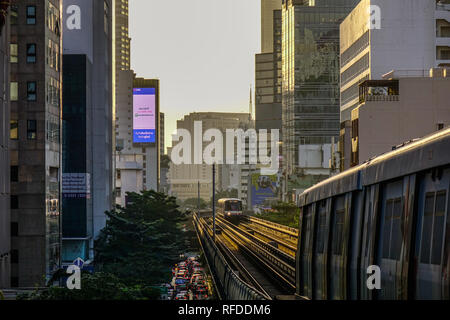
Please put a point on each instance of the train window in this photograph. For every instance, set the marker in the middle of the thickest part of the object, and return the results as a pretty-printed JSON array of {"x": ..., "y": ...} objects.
[
  {"x": 321, "y": 227},
  {"x": 438, "y": 229},
  {"x": 387, "y": 228},
  {"x": 427, "y": 227},
  {"x": 392, "y": 232},
  {"x": 338, "y": 225},
  {"x": 368, "y": 228},
  {"x": 307, "y": 230},
  {"x": 397, "y": 234}
]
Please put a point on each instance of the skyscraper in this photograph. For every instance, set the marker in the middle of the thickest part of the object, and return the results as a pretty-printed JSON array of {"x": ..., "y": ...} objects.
[
  {"x": 268, "y": 79},
  {"x": 184, "y": 178},
  {"x": 137, "y": 137},
  {"x": 418, "y": 28},
  {"x": 5, "y": 127},
  {"x": 87, "y": 125},
  {"x": 267, "y": 24},
  {"x": 36, "y": 149},
  {"x": 310, "y": 88}
]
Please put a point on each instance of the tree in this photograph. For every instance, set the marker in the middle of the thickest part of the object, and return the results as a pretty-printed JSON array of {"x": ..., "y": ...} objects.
[
  {"x": 165, "y": 161},
  {"x": 141, "y": 242},
  {"x": 283, "y": 213},
  {"x": 192, "y": 203},
  {"x": 232, "y": 193},
  {"x": 97, "y": 286}
]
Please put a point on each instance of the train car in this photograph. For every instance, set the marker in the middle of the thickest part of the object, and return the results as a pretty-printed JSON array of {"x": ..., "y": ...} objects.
[
  {"x": 230, "y": 208},
  {"x": 391, "y": 212}
]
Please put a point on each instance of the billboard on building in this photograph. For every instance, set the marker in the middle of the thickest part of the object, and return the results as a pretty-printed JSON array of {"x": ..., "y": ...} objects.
[
  {"x": 264, "y": 189},
  {"x": 76, "y": 185},
  {"x": 144, "y": 115}
]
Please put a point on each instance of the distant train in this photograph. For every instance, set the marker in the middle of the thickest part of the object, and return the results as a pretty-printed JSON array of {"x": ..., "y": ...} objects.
[
  {"x": 230, "y": 208},
  {"x": 391, "y": 212}
]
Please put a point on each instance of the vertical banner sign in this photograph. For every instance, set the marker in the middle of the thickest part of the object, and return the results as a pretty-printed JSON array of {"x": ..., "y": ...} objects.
[{"x": 144, "y": 115}]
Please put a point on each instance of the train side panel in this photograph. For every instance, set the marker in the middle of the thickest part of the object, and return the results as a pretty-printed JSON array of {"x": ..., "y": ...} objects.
[{"x": 431, "y": 246}]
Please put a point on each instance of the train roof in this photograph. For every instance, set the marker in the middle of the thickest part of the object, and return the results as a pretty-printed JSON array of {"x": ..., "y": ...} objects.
[
  {"x": 412, "y": 156},
  {"x": 230, "y": 199}
]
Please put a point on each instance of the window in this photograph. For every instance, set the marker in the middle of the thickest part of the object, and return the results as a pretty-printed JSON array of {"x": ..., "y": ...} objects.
[
  {"x": 31, "y": 91},
  {"x": 14, "y": 130},
  {"x": 14, "y": 282},
  {"x": 14, "y": 54},
  {"x": 397, "y": 234},
  {"x": 338, "y": 232},
  {"x": 14, "y": 202},
  {"x": 14, "y": 256},
  {"x": 438, "y": 229},
  {"x": 31, "y": 53},
  {"x": 14, "y": 93},
  {"x": 14, "y": 173},
  {"x": 14, "y": 229},
  {"x": 31, "y": 129},
  {"x": 31, "y": 14},
  {"x": 338, "y": 225},
  {"x": 392, "y": 232},
  {"x": 433, "y": 227},
  {"x": 427, "y": 227},
  {"x": 14, "y": 14},
  {"x": 321, "y": 227}
]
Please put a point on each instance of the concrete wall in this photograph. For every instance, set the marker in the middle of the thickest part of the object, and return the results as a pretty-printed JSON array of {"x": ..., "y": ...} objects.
[{"x": 424, "y": 103}]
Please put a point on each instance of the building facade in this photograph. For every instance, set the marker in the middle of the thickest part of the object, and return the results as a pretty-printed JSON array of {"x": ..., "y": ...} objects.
[
  {"x": 268, "y": 81},
  {"x": 408, "y": 35},
  {"x": 267, "y": 24},
  {"x": 397, "y": 110},
  {"x": 184, "y": 178},
  {"x": 87, "y": 125},
  {"x": 137, "y": 162},
  {"x": 5, "y": 131},
  {"x": 310, "y": 92},
  {"x": 36, "y": 149}
]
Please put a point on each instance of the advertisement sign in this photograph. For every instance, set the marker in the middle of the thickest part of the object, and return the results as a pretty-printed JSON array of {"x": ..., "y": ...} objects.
[
  {"x": 76, "y": 185},
  {"x": 263, "y": 188},
  {"x": 144, "y": 115}
]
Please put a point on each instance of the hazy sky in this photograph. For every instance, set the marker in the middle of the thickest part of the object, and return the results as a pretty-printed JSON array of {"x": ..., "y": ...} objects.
[{"x": 203, "y": 52}]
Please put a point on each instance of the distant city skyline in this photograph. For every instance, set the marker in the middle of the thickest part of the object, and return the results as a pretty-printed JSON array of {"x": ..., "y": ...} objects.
[{"x": 203, "y": 52}]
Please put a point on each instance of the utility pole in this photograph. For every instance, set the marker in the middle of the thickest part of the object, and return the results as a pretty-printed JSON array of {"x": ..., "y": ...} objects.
[
  {"x": 214, "y": 201},
  {"x": 198, "y": 197}
]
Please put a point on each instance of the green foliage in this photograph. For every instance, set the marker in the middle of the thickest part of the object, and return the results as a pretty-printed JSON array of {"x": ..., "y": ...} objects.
[
  {"x": 134, "y": 252},
  {"x": 165, "y": 161},
  {"x": 233, "y": 193},
  {"x": 283, "y": 213},
  {"x": 97, "y": 286},
  {"x": 142, "y": 241},
  {"x": 192, "y": 203}
]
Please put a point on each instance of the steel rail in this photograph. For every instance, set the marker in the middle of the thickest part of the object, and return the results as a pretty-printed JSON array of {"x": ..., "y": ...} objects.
[{"x": 269, "y": 256}]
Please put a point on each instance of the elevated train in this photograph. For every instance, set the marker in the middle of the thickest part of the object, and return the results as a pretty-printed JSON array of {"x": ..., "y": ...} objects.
[
  {"x": 391, "y": 212},
  {"x": 230, "y": 208}
]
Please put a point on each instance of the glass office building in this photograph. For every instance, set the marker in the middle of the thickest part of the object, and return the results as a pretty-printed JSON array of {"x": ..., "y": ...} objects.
[{"x": 310, "y": 89}]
